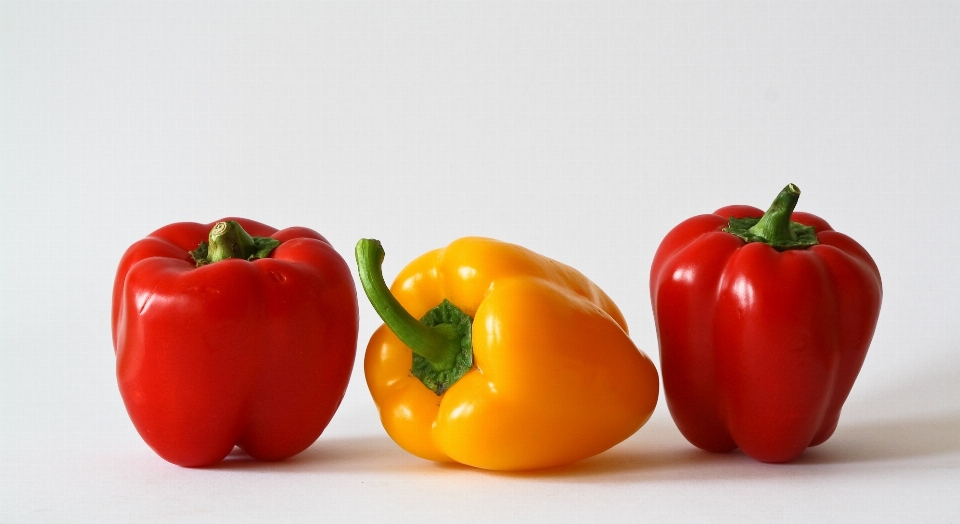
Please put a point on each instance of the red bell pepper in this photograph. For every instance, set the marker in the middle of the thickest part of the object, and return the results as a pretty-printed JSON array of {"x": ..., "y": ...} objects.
[
  {"x": 763, "y": 326},
  {"x": 246, "y": 341}
]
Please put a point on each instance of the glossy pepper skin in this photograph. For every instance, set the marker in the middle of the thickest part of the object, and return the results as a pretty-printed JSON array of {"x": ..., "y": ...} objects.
[
  {"x": 255, "y": 354},
  {"x": 759, "y": 347},
  {"x": 555, "y": 378}
]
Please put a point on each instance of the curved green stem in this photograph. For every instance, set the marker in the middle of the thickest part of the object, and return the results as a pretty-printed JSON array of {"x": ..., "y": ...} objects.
[
  {"x": 775, "y": 227},
  {"x": 439, "y": 345}
]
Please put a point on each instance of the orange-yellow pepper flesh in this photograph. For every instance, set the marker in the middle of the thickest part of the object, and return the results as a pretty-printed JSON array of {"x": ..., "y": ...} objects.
[{"x": 556, "y": 378}]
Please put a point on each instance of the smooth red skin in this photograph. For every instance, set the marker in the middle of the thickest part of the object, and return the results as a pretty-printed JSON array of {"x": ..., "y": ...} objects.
[
  {"x": 253, "y": 354},
  {"x": 760, "y": 348}
]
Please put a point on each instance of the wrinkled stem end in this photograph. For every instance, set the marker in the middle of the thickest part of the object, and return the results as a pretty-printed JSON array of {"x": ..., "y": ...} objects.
[
  {"x": 228, "y": 240},
  {"x": 441, "y": 342}
]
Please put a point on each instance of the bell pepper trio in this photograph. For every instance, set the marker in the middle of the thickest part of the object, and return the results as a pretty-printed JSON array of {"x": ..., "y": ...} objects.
[{"x": 490, "y": 354}]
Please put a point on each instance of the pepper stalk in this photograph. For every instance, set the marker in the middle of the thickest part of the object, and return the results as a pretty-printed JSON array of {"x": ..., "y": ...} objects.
[
  {"x": 441, "y": 341},
  {"x": 775, "y": 228},
  {"x": 228, "y": 239}
]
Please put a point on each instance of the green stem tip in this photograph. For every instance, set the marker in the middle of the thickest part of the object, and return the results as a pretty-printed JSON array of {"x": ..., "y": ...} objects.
[
  {"x": 775, "y": 228},
  {"x": 228, "y": 239},
  {"x": 441, "y": 341}
]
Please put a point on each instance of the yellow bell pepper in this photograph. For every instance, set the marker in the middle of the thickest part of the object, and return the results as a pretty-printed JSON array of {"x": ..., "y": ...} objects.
[{"x": 518, "y": 361}]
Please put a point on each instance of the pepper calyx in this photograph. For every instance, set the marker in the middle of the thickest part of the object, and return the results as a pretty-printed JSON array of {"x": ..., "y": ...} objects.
[{"x": 446, "y": 316}]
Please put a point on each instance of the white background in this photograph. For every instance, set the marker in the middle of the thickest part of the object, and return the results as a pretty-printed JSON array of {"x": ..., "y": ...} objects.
[{"x": 583, "y": 131}]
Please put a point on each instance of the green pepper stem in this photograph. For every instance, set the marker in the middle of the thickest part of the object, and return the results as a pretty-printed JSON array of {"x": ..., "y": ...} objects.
[
  {"x": 229, "y": 240},
  {"x": 439, "y": 345},
  {"x": 774, "y": 226}
]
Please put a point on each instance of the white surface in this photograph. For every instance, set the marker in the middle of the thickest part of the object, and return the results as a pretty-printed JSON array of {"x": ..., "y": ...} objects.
[{"x": 583, "y": 131}]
